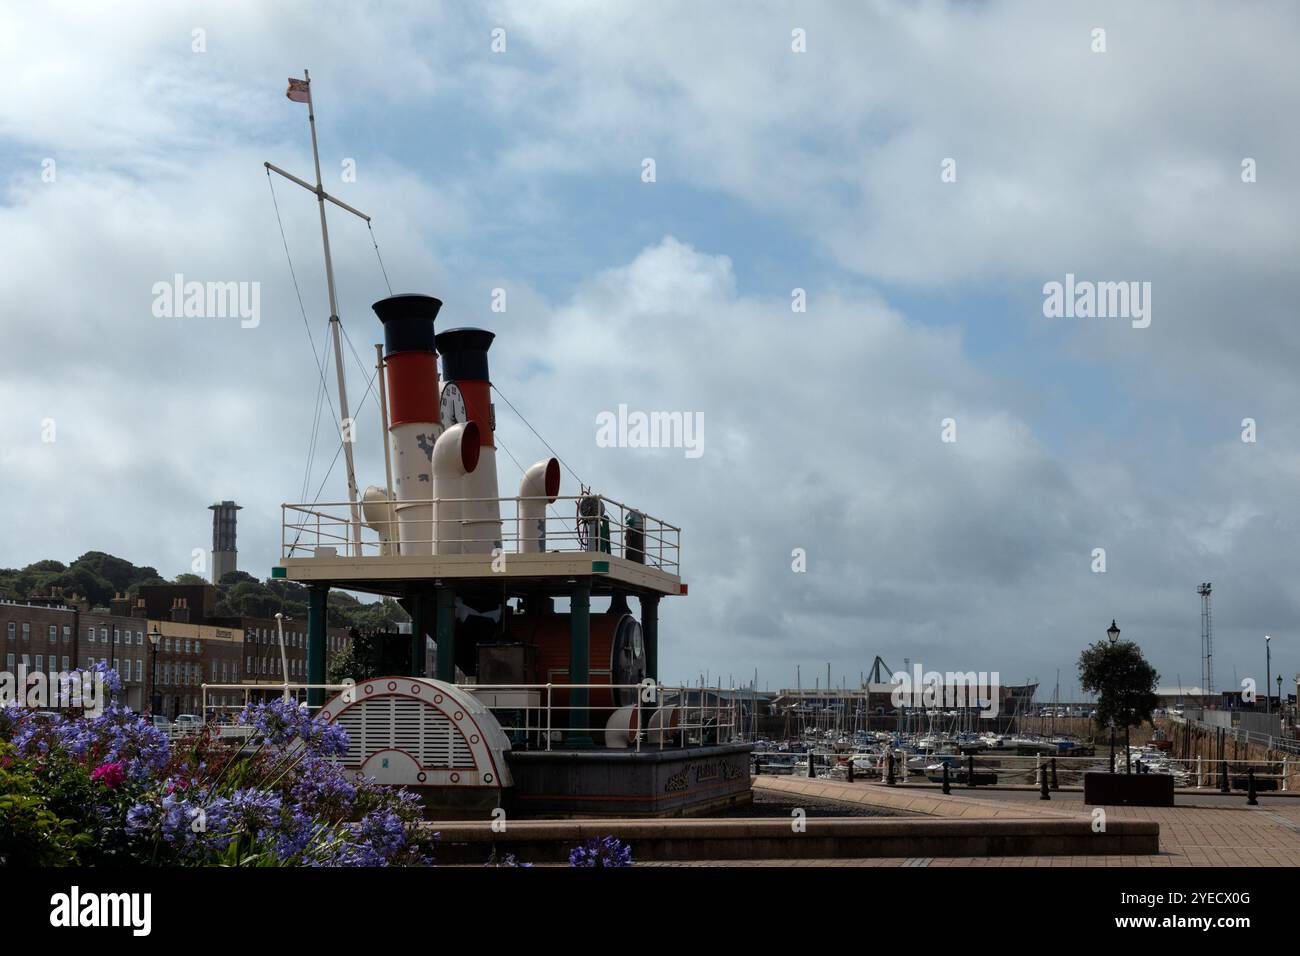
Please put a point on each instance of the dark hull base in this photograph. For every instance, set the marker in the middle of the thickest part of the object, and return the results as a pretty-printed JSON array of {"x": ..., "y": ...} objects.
[{"x": 623, "y": 783}]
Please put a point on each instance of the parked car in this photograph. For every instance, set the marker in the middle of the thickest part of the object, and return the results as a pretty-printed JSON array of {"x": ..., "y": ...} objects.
[
  {"x": 188, "y": 723},
  {"x": 161, "y": 722}
]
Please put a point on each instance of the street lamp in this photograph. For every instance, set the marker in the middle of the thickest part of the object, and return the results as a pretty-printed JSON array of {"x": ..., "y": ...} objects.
[
  {"x": 155, "y": 703},
  {"x": 1112, "y": 632},
  {"x": 1268, "y": 672}
]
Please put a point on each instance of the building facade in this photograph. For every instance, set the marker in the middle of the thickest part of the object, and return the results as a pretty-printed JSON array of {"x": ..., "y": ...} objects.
[{"x": 194, "y": 647}]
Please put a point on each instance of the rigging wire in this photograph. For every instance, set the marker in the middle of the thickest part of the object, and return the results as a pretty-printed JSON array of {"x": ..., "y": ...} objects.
[
  {"x": 539, "y": 437},
  {"x": 302, "y": 309},
  {"x": 379, "y": 257},
  {"x": 497, "y": 437}
]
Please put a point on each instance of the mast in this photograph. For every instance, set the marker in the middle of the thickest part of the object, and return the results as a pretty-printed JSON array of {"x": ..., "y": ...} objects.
[{"x": 345, "y": 420}]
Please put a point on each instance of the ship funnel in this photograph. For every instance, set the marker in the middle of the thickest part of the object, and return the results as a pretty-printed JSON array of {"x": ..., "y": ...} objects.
[
  {"x": 467, "y": 396},
  {"x": 414, "y": 419}
]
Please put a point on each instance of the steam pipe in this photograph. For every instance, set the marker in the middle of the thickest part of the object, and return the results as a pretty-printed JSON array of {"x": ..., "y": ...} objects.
[
  {"x": 455, "y": 456},
  {"x": 539, "y": 487},
  {"x": 389, "y": 529}
]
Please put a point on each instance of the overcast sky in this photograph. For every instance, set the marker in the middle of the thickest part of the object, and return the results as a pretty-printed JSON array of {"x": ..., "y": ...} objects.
[{"x": 128, "y": 156}]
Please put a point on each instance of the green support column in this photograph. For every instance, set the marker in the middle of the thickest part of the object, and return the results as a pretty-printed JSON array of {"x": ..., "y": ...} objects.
[
  {"x": 419, "y": 627},
  {"x": 580, "y": 669},
  {"x": 650, "y": 633},
  {"x": 579, "y": 663},
  {"x": 446, "y": 635},
  {"x": 317, "y": 596}
]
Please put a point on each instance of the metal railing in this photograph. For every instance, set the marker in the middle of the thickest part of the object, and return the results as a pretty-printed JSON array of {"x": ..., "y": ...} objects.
[
  {"x": 1269, "y": 741},
  {"x": 540, "y": 716},
  {"x": 595, "y": 524},
  {"x": 1192, "y": 773}
]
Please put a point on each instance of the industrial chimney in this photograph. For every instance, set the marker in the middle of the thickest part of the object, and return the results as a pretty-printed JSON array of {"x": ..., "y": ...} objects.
[{"x": 223, "y": 539}]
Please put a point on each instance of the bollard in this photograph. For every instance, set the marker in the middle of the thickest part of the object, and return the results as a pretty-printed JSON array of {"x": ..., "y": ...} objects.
[
  {"x": 1251, "y": 800},
  {"x": 1284, "y": 771},
  {"x": 1200, "y": 773},
  {"x": 946, "y": 787},
  {"x": 1223, "y": 776},
  {"x": 812, "y": 767},
  {"x": 1043, "y": 792},
  {"x": 970, "y": 770},
  {"x": 889, "y": 773},
  {"x": 849, "y": 775},
  {"x": 1055, "y": 784},
  {"x": 884, "y": 767}
]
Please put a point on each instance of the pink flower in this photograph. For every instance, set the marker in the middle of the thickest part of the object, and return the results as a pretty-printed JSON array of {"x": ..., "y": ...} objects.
[{"x": 109, "y": 774}]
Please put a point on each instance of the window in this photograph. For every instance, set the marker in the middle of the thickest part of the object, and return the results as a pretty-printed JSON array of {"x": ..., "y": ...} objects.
[
  {"x": 54, "y": 632},
  {"x": 117, "y": 665},
  {"x": 65, "y": 663},
  {"x": 27, "y": 631},
  {"x": 9, "y": 661},
  {"x": 12, "y": 630},
  {"x": 250, "y": 662},
  {"x": 67, "y": 633},
  {"x": 139, "y": 669},
  {"x": 139, "y": 638},
  {"x": 103, "y": 635},
  {"x": 117, "y": 636},
  {"x": 197, "y": 649},
  {"x": 90, "y": 635},
  {"x": 40, "y": 662},
  {"x": 187, "y": 645}
]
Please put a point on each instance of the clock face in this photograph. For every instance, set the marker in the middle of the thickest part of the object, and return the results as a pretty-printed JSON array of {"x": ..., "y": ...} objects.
[{"x": 453, "y": 406}]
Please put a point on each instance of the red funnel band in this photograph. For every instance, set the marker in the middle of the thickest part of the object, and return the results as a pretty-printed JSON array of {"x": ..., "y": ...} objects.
[
  {"x": 412, "y": 388},
  {"x": 478, "y": 406}
]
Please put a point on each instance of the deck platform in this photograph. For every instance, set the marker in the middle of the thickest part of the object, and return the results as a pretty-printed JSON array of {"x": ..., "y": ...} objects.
[{"x": 392, "y": 574}]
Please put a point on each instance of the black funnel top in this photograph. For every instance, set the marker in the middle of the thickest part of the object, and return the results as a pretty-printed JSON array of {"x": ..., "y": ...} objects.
[
  {"x": 464, "y": 354},
  {"x": 408, "y": 322}
]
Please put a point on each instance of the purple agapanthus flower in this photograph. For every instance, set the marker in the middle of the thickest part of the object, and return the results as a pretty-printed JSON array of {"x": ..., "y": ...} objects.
[{"x": 609, "y": 851}]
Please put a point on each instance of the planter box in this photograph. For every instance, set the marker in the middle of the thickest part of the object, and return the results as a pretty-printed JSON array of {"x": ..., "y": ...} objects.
[{"x": 1128, "y": 790}]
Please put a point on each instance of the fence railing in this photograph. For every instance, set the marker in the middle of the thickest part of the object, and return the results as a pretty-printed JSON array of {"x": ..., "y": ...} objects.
[
  {"x": 575, "y": 523},
  {"x": 1270, "y": 741},
  {"x": 541, "y": 716},
  {"x": 1012, "y": 770}
]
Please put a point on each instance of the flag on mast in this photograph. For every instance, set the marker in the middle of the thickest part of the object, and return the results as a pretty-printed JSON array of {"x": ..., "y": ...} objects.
[{"x": 299, "y": 90}]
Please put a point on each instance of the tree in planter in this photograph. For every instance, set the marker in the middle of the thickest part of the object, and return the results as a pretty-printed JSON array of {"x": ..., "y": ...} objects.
[{"x": 1125, "y": 683}]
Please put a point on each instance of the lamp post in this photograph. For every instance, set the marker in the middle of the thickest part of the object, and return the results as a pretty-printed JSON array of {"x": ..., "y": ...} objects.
[
  {"x": 1113, "y": 632},
  {"x": 1268, "y": 673},
  {"x": 155, "y": 698},
  {"x": 1112, "y": 744}
]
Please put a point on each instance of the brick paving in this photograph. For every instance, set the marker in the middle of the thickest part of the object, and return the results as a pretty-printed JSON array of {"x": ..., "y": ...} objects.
[{"x": 1267, "y": 835}]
